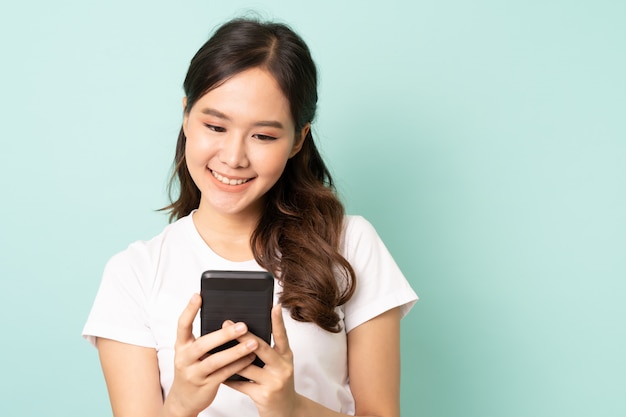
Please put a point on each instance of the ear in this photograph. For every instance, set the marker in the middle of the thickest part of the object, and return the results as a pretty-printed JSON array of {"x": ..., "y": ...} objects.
[
  {"x": 299, "y": 140},
  {"x": 185, "y": 115}
]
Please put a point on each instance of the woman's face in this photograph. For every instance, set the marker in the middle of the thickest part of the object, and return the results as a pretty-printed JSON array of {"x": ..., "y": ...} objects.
[{"x": 239, "y": 138}]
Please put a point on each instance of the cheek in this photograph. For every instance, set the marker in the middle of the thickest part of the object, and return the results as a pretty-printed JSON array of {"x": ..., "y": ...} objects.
[
  {"x": 189, "y": 152},
  {"x": 273, "y": 163},
  {"x": 195, "y": 147}
]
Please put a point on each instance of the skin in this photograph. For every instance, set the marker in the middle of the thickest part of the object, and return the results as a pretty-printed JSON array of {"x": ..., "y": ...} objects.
[
  {"x": 241, "y": 130},
  {"x": 228, "y": 131}
]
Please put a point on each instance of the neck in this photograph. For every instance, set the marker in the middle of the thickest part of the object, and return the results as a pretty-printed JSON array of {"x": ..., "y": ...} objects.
[{"x": 228, "y": 235}]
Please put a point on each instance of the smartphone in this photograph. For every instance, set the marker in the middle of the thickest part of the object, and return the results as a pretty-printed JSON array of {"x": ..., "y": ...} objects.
[{"x": 245, "y": 296}]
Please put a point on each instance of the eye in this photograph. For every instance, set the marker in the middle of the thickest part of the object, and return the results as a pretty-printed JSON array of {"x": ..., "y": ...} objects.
[
  {"x": 215, "y": 128},
  {"x": 263, "y": 137}
]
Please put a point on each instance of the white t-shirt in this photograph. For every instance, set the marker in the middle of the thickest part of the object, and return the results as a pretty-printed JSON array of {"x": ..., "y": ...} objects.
[{"x": 145, "y": 288}]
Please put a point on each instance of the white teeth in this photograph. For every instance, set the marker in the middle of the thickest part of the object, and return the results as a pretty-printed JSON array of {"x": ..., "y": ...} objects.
[{"x": 228, "y": 181}]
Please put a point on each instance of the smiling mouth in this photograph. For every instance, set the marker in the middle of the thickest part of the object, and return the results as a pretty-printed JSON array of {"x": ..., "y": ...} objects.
[{"x": 229, "y": 181}]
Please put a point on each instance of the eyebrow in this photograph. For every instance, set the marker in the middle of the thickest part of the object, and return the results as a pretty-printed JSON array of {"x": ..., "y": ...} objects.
[{"x": 262, "y": 123}]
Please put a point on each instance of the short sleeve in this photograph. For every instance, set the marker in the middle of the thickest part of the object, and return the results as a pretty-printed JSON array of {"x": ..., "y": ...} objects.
[
  {"x": 119, "y": 311},
  {"x": 380, "y": 285}
]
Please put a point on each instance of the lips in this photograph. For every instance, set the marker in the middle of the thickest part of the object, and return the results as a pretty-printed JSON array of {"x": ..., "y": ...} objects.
[{"x": 229, "y": 181}]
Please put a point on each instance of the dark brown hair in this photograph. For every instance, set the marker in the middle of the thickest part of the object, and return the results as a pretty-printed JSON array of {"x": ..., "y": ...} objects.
[{"x": 299, "y": 232}]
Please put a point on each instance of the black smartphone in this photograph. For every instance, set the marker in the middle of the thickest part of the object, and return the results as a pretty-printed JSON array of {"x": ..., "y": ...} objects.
[{"x": 245, "y": 296}]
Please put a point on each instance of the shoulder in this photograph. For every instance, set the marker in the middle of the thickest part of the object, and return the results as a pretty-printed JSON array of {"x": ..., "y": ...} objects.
[
  {"x": 355, "y": 223},
  {"x": 380, "y": 285},
  {"x": 143, "y": 255},
  {"x": 358, "y": 235}
]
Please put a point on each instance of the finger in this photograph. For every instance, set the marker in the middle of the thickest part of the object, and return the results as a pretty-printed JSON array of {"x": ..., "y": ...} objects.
[
  {"x": 253, "y": 373},
  {"x": 245, "y": 387},
  {"x": 231, "y": 369},
  {"x": 229, "y": 361},
  {"x": 217, "y": 338},
  {"x": 265, "y": 352},
  {"x": 281, "y": 342},
  {"x": 185, "y": 321}
]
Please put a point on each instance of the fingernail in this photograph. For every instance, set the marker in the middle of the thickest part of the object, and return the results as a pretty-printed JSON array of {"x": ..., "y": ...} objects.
[
  {"x": 240, "y": 327},
  {"x": 251, "y": 344}
]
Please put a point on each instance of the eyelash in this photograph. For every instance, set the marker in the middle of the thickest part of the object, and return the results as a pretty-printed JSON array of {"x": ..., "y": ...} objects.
[
  {"x": 264, "y": 137},
  {"x": 215, "y": 128},
  {"x": 220, "y": 129}
]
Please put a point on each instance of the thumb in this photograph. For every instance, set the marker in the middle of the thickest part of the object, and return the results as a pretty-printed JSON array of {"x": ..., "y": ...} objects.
[{"x": 185, "y": 321}]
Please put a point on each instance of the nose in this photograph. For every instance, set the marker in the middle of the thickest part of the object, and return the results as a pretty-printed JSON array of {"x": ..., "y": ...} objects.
[{"x": 233, "y": 151}]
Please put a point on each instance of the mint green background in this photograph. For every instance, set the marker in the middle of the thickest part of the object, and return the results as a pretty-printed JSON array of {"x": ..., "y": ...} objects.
[{"x": 485, "y": 140}]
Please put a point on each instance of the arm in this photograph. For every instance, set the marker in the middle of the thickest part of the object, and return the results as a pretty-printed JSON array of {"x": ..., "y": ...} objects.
[
  {"x": 132, "y": 377},
  {"x": 373, "y": 365}
]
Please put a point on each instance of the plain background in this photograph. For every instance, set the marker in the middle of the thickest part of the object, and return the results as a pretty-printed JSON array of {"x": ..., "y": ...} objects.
[{"x": 485, "y": 140}]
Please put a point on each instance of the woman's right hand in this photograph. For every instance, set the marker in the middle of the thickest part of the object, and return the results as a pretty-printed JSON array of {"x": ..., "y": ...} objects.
[{"x": 197, "y": 376}]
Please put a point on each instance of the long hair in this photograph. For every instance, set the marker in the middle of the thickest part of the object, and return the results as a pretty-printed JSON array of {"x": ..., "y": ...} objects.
[{"x": 299, "y": 231}]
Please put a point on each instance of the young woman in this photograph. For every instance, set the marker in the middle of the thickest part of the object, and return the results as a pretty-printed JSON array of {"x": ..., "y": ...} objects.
[{"x": 253, "y": 194}]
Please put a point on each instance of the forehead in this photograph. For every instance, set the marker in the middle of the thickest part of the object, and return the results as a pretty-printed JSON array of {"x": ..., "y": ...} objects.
[{"x": 250, "y": 94}]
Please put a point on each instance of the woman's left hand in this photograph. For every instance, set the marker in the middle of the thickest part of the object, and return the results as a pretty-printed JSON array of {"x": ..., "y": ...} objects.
[{"x": 273, "y": 389}]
